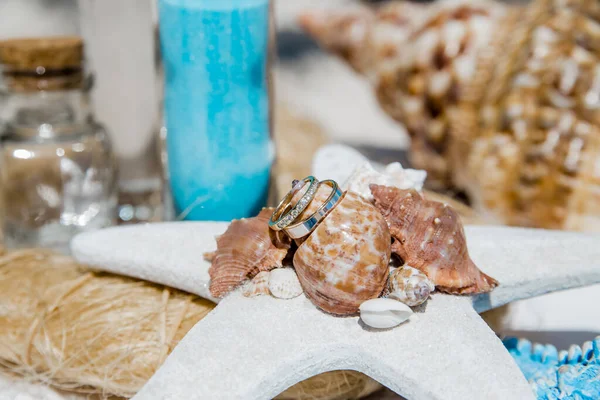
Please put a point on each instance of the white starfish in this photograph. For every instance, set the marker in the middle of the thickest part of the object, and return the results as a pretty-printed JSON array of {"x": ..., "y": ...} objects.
[{"x": 255, "y": 348}]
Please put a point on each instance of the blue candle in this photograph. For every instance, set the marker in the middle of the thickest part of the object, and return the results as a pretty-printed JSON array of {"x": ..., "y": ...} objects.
[{"x": 215, "y": 55}]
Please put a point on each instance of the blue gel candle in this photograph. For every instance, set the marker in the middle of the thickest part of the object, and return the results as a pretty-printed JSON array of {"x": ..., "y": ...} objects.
[{"x": 215, "y": 55}]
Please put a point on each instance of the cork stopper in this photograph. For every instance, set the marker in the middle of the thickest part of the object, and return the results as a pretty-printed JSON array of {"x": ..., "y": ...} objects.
[{"x": 34, "y": 64}]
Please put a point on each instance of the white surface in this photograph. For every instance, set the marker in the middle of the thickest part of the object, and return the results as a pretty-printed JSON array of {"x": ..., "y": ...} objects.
[
  {"x": 570, "y": 310},
  {"x": 337, "y": 162},
  {"x": 325, "y": 90},
  {"x": 34, "y": 18},
  {"x": 19, "y": 389},
  {"x": 532, "y": 262},
  {"x": 287, "y": 11},
  {"x": 169, "y": 253},
  {"x": 393, "y": 175},
  {"x": 255, "y": 348},
  {"x": 120, "y": 47}
]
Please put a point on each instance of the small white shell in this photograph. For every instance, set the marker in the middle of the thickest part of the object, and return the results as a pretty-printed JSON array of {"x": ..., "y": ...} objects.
[
  {"x": 410, "y": 286},
  {"x": 284, "y": 283},
  {"x": 384, "y": 313},
  {"x": 393, "y": 175},
  {"x": 258, "y": 286}
]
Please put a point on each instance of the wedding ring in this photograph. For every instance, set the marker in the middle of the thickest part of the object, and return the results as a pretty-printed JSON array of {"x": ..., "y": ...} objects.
[
  {"x": 305, "y": 228},
  {"x": 280, "y": 218}
]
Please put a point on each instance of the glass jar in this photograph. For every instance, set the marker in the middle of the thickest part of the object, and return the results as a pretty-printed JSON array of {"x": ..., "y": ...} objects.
[
  {"x": 217, "y": 105},
  {"x": 57, "y": 171}
]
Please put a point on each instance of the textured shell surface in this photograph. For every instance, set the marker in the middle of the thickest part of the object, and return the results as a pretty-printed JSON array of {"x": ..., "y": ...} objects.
[
  {"x": 501, "y": 101},
  {"x": 535, "y": 131},
  {"x": 430, "y": 237},
  {"x": 419, "y": 59},
  {"x": 393, "y": 175},
  {"x": 428, "y": 79},
  {"x": 258, "y": 286},
  {"x": 344, "y": 262},
  {"x": 362, "y": 35},
  {"x": 284, "y": 283},
  {"x": 568, "y": 374},
  {"x": 384, "y": 313},
  {"x": 245, "y": 249},
  {"x": 410, "y": 286}
]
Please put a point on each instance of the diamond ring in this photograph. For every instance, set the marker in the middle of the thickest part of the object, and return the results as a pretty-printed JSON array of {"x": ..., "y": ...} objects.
[
  {"x": 281, "y": 218},
  {"x": 305, "y": 228}
]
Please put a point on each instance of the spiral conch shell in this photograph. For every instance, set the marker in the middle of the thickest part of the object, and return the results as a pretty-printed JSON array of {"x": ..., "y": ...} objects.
[
  {"x": 344, "y": 262},
  {"x": 362, "y": 36},
  {"x": 410, "y": 286},
  {"x": 419, "y": 58},
  {"x": 429, "y": 237},
  {"x": 501, "y": 100},
  {"x": 245, "y": 249}
]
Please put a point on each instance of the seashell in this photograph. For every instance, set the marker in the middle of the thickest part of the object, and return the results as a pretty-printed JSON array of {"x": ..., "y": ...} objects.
[
  {"x": 321, "y": 196},
  {"x": 430, "y": 237},
  {"x": 344, "y": 262},
  {"x": 361, "y": 36},
  {"x": 410, "y": 286},
  {"x": 258, "y": 286},
  {"x": 350, "y": 30},
  {"x": 284, "y": 283},
  {"x": 245, "y": 249},
  {"x": 384, "y": 313},
  {"x": 419, "y": 67},
  {"x": 511, "y": 67},
  {"x": 393, "y": 175}
]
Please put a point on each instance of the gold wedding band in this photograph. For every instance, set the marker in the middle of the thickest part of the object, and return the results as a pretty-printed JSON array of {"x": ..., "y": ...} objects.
[
  {"x": 280, "y": 218},
  {"x": 305, "y": 228}
]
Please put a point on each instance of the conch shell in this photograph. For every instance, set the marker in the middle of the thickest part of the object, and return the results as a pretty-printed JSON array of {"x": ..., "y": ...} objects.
[
  {"x": 501, "y": 100},
  {"x": 362, "y": 36},
  {"x": 344, "y": 262},
  {"x": 410, "y": 286},
  {"x": 429, "y": 236},
  {"x": 245, "y": 249},
  {"x": 419, "y": 58}
]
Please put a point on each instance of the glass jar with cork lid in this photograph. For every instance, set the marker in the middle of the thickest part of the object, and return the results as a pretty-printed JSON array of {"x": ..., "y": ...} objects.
[{"x": 57, "y": 171}]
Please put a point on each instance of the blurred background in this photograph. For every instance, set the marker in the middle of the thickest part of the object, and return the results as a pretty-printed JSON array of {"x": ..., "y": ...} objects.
[{"x": 307, "y": 78}]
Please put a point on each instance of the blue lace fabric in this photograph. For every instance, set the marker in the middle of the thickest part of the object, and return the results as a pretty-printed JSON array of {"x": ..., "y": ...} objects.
[{"x": 572, "y": 374}]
